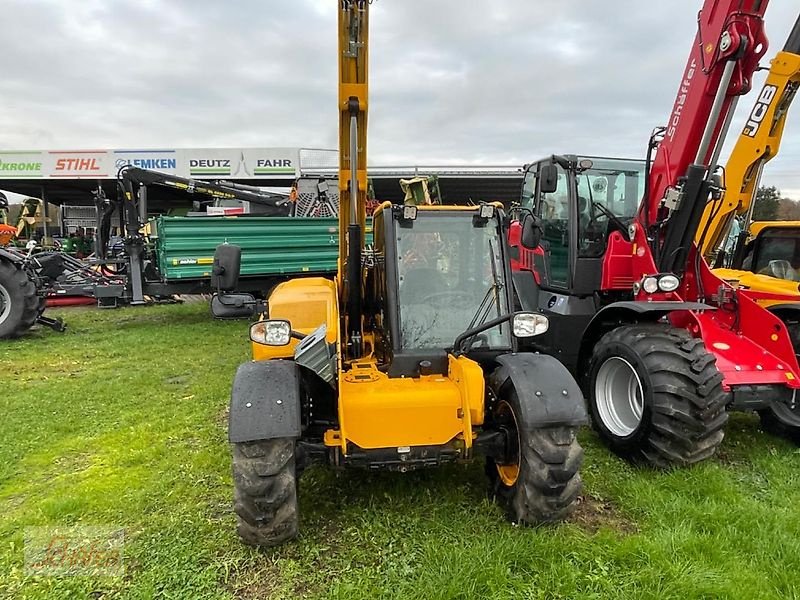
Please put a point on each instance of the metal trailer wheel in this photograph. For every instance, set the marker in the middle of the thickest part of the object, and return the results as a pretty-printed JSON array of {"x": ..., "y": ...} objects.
[{"x": 655, "y": 395}]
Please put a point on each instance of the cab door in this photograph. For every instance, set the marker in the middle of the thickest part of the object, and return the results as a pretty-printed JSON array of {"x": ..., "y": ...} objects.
[{"x": 555, "y": 264}]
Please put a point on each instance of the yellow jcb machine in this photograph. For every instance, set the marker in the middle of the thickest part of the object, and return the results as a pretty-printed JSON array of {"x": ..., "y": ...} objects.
[
  {"x": 765, "y": 257},
  {"x": 407, "y": 360}
]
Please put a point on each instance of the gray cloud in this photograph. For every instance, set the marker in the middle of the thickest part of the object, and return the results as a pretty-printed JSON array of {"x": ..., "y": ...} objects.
[{"x": 451, "y": 81}]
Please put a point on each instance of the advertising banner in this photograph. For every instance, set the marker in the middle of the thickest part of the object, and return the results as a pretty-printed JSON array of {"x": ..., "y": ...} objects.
[{"x": 196, "y": 163}]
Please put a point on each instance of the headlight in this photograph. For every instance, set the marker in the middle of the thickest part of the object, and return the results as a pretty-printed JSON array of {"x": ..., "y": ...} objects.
[
  {"x": 529, "y": 324},
  {"x": 272, "y": 332},
  {"x": 668, "y": 282},
  {"x": 650, "y": 285}
]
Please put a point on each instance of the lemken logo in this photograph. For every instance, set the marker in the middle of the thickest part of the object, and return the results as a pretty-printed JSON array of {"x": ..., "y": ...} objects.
[
  {"x": 759, "y": 110},
  {"x": 148, "y": 163}
]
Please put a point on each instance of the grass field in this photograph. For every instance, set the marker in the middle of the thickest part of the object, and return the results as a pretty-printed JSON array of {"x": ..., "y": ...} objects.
[{"x": 121, "y": 422}]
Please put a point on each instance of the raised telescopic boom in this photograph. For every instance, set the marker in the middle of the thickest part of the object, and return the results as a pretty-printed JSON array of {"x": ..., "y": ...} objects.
[
  {"x": 729, "y": 43},
  {"x": 758, "y": 143},
  {"x": 353, "y": 63}
]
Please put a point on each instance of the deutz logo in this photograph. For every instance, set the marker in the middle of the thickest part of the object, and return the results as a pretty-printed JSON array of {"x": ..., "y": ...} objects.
[{"x": 759, "y": 110}]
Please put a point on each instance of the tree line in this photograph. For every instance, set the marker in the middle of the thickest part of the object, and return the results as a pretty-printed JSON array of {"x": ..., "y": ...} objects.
[{"x": 770, "y": 206}]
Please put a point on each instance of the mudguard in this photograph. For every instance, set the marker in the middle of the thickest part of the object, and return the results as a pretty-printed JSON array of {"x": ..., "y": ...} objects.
[
  {"x": 548, "y": 394},
  {"x": 11, "y": 257},
  {"x": 265, "y": 401}
]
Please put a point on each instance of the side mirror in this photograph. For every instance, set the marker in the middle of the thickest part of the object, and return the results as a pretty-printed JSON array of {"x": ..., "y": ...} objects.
[
  {"x": 234, "y": 306},
  {"x": 225, "y": 272},
  {"x": 548, "y": 176},
  {"x": 531, "y": 232}
]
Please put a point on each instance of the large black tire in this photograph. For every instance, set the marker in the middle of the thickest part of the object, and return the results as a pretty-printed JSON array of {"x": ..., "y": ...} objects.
[
  {"x": 781, "y": 419},
  {"x": 19, "y": 304},
  {"x": 540, "y": 482},
  {"x": 265, "y": 491},
  {"x": 676, "y": 413}
]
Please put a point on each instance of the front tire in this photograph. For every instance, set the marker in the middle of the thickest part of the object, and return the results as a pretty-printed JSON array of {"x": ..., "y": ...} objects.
[
  {"x": 265, "y": 491},
  {"x": 539, "y": 480},
  {"x": 655, "y": 395}
]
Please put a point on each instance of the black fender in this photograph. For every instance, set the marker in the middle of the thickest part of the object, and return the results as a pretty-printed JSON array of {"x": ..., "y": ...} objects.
[
  {"x": 265, "y": 401},
  {"x": 625, "y": 313},
  {"x": 785, "y": 307},
  {"x": 548, "y": 394},
  {"x": 14, "y": 259}
]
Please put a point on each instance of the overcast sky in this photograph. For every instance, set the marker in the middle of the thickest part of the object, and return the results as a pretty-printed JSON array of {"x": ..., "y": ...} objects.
[{"x": 450, "y": 81}]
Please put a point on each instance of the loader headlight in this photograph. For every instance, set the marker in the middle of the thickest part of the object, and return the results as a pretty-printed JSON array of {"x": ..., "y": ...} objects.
[
  {"x": 650, "y": 285},
  {"x": 529, "y": 324},
  {"x": 272, "y": 332},
  {"x": 668, "y": 282},
  {"x": 664, "y": 282}
]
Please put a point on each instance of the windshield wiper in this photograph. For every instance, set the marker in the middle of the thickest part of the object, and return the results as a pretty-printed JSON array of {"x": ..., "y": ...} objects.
[{"x": 490, "y": 298}]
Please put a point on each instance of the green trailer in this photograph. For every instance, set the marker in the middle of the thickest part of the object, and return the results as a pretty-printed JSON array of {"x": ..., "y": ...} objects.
[{"x": 183, "y": 247}]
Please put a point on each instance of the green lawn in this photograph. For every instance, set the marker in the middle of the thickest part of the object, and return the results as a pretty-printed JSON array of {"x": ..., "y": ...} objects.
[{"x": 121, "y": 422}]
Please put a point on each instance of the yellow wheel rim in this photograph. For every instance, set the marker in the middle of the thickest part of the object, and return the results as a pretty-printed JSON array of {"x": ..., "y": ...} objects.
[{"x": 508, "y": 473}]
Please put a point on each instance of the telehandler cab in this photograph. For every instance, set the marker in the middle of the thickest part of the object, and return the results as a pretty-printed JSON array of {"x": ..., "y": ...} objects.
[{"x": 408, "y": 359}]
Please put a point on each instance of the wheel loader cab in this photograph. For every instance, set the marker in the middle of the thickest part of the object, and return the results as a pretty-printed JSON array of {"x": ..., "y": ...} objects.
[{"x": 437, "y": 275}]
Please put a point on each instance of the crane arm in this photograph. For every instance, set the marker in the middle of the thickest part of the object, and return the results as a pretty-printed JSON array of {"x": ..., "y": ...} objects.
[
  {"x": 728, "y": 45},
  {"x": 128, "y": 176},
  {"x": 757, "y": 144}
]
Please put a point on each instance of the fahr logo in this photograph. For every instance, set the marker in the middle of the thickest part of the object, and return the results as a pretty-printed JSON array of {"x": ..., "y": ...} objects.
[
  {"x": 77, "y": 164},
  {"x": 273, "y": 165},
  {"x": 759, "y": 110}
]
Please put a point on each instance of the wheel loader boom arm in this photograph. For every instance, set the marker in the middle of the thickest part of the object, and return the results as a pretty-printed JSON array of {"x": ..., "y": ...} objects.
[
  {"x": 758, "y": 143},
  {"x": 353, "y": 52},
  {"x": 727, "y": 47}
]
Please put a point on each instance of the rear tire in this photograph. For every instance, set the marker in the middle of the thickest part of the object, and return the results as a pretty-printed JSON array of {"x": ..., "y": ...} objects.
[
  {"x": 655, "y": 395},
  {"x": 19, "y": 304},
  {"x": 780, "y": 419},
  {"x": 265, "y": 491},
  {"x": 540, "y": 481}
]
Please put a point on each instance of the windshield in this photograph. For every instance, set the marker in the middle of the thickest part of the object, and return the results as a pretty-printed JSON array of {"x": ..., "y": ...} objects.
[
  {"x": 450, "y": 275},
  {"x": 614, "y": 184},
  {"x": 777, "y": 254},
  {"x": 609, "y": 194}
]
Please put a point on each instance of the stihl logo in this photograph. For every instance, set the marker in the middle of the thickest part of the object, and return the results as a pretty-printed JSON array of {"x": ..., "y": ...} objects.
[
  {"x": 760, "y": 110},
  {"x": 77, "y": 164}
]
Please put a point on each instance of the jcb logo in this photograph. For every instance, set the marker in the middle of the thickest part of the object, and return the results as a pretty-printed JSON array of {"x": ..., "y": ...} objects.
[{"x": 760, "y": 110}]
